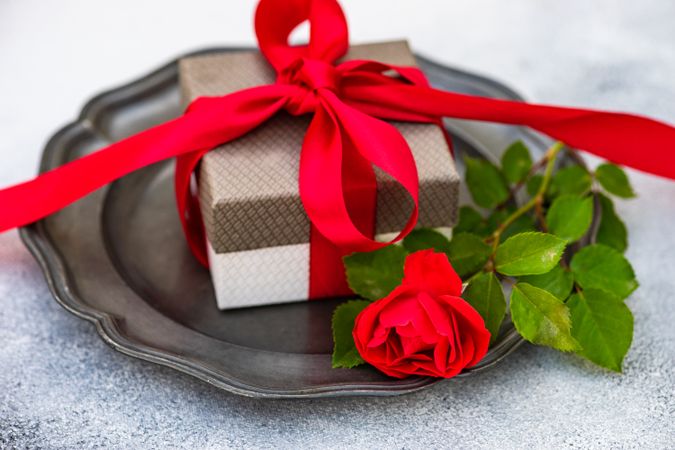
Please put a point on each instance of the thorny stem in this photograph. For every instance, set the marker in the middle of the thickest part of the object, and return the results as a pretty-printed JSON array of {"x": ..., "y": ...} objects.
[
  {"x": 578, "y": 159},
  {"x": 539, "y": 213},
  {"x": 535, "y": 202},
  {"x": 514, "y": 190}
]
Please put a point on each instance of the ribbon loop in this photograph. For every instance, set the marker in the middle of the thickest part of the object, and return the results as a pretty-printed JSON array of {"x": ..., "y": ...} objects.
[{"x": 276, "y": 19}]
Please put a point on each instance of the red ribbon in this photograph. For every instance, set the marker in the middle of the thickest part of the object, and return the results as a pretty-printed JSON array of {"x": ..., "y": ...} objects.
[{"x": 346, "y": 137}]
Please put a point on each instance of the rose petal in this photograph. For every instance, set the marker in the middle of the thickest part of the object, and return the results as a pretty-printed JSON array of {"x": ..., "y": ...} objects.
[
  {"x": 399, "y": 312},
  {"x": 471, "y": 323},
  {"x": 407, "y": 330},
  {"x": 427, "y": 369},
  {"x": 412, "y": 345},
  {"x": 468, "y": 350},
  {"x": 455, "y": 342},
  {"x": 420, "y": 357},
  {"x": 431, "y": 272},
  {"x": 404, "y": 311},
  {"x": 373, "y": 354},
  {"x": 408, "y": 365},
  {"x": 364, "y": 324},
  {"x": 394, "y": 350},
  {"x": 452, "y": 371},
  {"x": 437, "y": 315},
  {"x": 441, "y": 355},
  {"x": 379, "y": 336}
]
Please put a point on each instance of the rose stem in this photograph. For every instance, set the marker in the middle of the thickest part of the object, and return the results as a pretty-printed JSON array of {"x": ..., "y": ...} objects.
[{"x": 536, "y": 201}]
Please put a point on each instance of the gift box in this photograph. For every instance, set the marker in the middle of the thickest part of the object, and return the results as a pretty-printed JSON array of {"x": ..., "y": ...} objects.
[{"x": 257, "y": 230}]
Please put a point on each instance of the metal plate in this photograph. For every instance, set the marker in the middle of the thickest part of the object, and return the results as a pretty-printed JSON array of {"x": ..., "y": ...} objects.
[{"x": 118, "y": 259}]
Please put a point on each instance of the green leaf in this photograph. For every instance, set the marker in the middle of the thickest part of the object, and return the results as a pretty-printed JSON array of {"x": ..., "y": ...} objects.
[
  {"x": 603, "y": 325},
  {"x": 541, "y": 318},
  {"x": 425, "y": 238},
  {"x": 573, "y": 180},
  {"x": 600, "y": 267},
  {"x": 516, "y": 162},
  {"x": 570, "y": 216},
  {"x": 533, "y": 184},
  {"x": 529, "y": 253},
  {"x": 557, "y": 281},
  {"x": 485, "y": 294},
  {"x": 470, "y": 220},
  {"x": 614, "y": 180},
  {"x": 611, "y": 231},
  {"x": 485, "y": 183},
  {"x": 344, "y": 350},
  {"x": 468, "y": 254},
  {"x": 373, "y": 275}
]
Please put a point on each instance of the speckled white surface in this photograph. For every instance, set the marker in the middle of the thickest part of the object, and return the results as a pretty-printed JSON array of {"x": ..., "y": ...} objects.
[{"x": 61, "y": 386}]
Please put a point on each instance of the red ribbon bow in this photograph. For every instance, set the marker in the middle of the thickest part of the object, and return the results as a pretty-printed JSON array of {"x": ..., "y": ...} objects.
[{"x": 345, "y": 138}]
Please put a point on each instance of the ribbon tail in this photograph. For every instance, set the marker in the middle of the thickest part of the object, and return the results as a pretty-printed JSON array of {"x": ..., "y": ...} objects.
[
  {"x": 625, "y": 139},
  {"x": 342, "y": 137},
  {"x": 209, "y": 122},
  {"x": 51, "y": 191}
]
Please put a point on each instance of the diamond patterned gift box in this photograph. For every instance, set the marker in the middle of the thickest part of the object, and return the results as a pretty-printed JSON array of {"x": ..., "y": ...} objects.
[{"x": 256, "y": 226}]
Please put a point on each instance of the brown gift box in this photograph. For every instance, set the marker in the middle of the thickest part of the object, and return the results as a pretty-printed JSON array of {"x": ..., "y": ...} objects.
[{"x": 256, "y": 227}]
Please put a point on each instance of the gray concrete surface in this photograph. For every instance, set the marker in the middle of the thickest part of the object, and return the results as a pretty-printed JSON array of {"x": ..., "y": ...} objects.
[{"x": 62, "y": 387}]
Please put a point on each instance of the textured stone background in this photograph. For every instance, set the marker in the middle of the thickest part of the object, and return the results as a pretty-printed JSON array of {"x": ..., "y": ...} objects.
[{"x": 61, "y": 386}]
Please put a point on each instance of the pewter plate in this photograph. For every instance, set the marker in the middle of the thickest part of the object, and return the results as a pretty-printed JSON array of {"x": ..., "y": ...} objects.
[{"x": 118, "y": 259}]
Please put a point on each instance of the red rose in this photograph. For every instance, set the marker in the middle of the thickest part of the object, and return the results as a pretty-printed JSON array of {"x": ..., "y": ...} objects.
[{"x": 422, "y": 327}]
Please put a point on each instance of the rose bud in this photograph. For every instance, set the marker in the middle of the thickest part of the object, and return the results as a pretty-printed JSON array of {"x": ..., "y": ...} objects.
[{"x": 423, "y": 327}]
